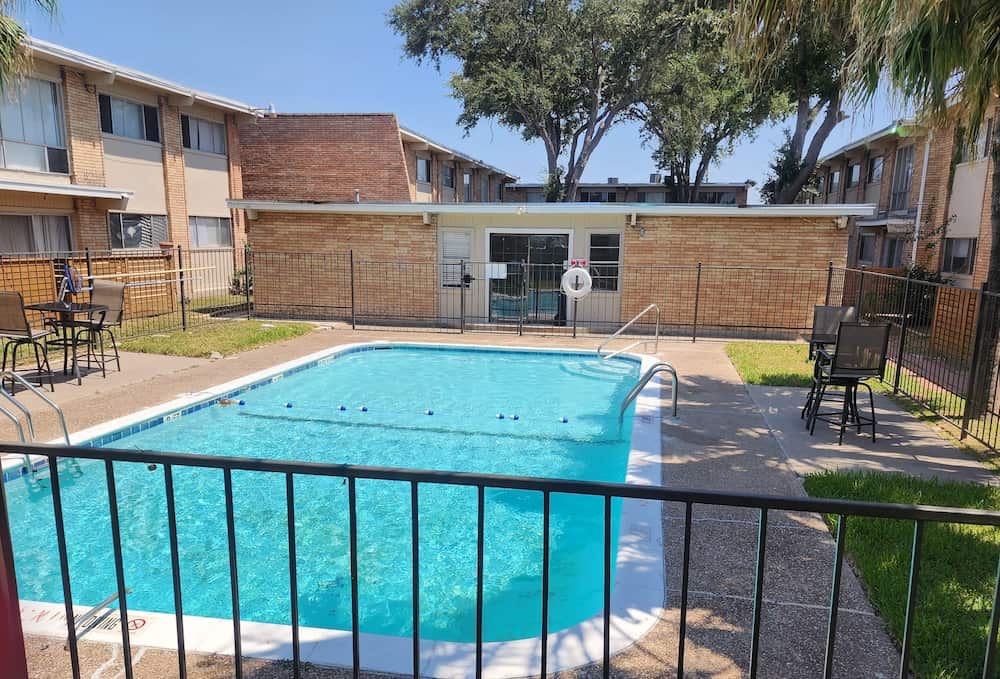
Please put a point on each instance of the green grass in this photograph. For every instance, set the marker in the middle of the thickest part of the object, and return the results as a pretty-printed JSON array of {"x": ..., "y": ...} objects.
[
  {"x": 772, "y": 364},
  {"x": 957, "y": 568},
  {"x": 224, "y": 337}
]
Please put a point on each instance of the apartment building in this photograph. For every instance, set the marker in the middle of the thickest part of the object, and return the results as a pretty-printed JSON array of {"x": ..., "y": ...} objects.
[
  {"x": 358, "y": 157},
  {"x": 99, "y": 156},
  {"x": 931, "y": 188},
  {"x": 657, "y": 190}
]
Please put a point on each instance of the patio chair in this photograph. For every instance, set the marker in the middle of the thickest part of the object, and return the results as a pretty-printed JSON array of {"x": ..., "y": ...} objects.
[
  {"x": 859, "y": 355},
  {"x": 17, "y": 332},
  {"x": 826, "y": 322},
  {"x": 92, "y": 331}
]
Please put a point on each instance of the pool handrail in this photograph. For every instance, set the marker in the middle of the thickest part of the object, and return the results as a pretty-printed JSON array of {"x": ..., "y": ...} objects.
[
  {"x": 13, "y": 376},
  {"x": 651, "y": 372},
  {"x": 613, "y": 336}
]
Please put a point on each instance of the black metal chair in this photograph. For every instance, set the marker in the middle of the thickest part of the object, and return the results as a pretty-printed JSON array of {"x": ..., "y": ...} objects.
[
  {"x": 859, "y": 355},
  {"x": 826, "y": 323},
  {"x": 91, "y": 332},
  {"x": 17, "y": 331}
]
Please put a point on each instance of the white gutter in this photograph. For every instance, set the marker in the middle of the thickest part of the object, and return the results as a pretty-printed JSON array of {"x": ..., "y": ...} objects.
[
  {"x": 66, "y": 190},
  {"x": 675, "y": 210},
  {"x": 920, "y": 198}
]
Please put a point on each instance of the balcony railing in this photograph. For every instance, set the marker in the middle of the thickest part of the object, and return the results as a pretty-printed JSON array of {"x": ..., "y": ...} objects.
[{"x": 13, "y": 653}]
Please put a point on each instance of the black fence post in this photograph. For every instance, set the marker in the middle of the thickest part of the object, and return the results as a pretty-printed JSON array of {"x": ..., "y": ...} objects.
[
  {"x": 90, "y": 272},
  {"x": 861, "y": 287},
  {"x": 354, "y": 313},
  {"x": 973, "y": 384},
  {"x": 829, "y": 282},
  {"x": 697, "y": 298},
  {"x": 180, "y": 274},
  {"x": 247, "y": 278},
  {"x": 461, "y": 297},
  {"x": 524, "y": 299},
  {"x": 902, "y": 333}
]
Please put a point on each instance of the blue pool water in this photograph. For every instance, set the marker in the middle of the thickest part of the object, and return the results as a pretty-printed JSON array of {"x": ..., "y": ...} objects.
[{"x": 465, "y": 389}]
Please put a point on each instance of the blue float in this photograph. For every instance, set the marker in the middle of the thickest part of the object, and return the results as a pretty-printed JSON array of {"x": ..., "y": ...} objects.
[
  {"x": 499, "y": 416},
  {"x": 516, "y": 417},
  {"x": 342, "y": 408},
  {"x": 242, "y": 402},
  {"x": 430, "y": 412},
  {"x": 564, "y": 420},
  {"x": 288, "y": 405},
  {"x": 364, "y": 409}
]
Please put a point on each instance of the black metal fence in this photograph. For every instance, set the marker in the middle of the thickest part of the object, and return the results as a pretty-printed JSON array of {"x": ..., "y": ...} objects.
[
  {"x": 166, "y": 289},
  {"x": 845, "y": 511},
  {"x": 943, "y": 346}
]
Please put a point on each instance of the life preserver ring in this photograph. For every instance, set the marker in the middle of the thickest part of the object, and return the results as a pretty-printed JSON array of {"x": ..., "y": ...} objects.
[{"x": 576, "y": 283}]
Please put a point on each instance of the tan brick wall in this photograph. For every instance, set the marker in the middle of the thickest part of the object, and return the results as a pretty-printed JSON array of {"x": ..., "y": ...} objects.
[
  {"x": 323, "y": 157},
  {"x": 83, "y": 130},
  {"x": 302, "y": 265},
  {"x": 659, "y": 267},
  {"x": 175, "y": 190},
  {"x": 236, "y": 180},
  {"x": 90, "y": 225}
]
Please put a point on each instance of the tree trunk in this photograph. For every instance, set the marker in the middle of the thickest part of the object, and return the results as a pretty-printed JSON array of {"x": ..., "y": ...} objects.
[{"x": 788, "y": 192}]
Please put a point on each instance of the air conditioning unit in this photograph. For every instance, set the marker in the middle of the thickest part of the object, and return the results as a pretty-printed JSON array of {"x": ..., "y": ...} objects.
[
  {"x": 612, "y": 180},
  {"x": 655, "y": 178}
]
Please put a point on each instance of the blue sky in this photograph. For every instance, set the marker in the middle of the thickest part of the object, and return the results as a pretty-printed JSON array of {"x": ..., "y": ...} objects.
[{"x": 335, "y": 55}]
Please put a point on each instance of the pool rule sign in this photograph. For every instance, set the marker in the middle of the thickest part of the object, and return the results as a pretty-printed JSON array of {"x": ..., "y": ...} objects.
[{"x": 576, "y": 284}]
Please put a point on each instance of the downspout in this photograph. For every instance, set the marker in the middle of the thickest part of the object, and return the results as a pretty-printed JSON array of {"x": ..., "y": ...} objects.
[{"x": 920, "y": 198}]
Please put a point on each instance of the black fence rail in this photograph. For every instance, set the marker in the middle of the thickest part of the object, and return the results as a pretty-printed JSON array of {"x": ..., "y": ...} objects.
[
  {"x": 943, "y": 345},
  {"x": 171, "y": 288},
  {"x": 413, "y": 480}
]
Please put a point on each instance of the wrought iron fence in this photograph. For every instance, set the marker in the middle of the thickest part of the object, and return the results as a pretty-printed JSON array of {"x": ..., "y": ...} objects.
[
  {"x": 166, "y": 289},
  {"x": 943, "y": 346},
  {"x": 845, "y": 511}
]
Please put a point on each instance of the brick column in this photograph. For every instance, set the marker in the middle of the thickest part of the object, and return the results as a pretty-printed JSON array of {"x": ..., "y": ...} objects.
[
  {"x": 235, "y": 180},
  {"x": 173, "y": 173},
  {"x": 86, "y": 158}
]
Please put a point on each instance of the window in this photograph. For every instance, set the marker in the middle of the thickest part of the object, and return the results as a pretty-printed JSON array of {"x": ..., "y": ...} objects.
[
  {"x": 716, "y": 197},
  {"x": 605, "y": 253},
  {"x": 467, "y": 186},
  {"x": 32, "y": 129},
  {"x": 203, "y": 135},
  {"x": 959, "y": 255},
  {"x": 210, "y": 232},
  {"x": 128, "y": 230},
  {"x": 902, "y": 176},
  {"x": 34, "y": 233},
  {"x": 128, "y": 119},
  {"x": 534, "y": 197},
  {"x": 456, "y": 247},
  {"x": 499, "y": 191},
  {"x": 834, "y": 184},
  {"x": 821, "y": 185},
  {"x": 866, "y": 248},
  {"x": 651, "y": 197},
  {"x": 892, "y": 253},
  {"x": 423, "y": 169},
  {"x": 484, "y": 188},
  {"x": 853, "y": 174},
  {"x": 875, "y": 169},
  {"x": 448, "y": 176},
  {"x": 598, "y": 197},
  {"x": 979, "y": 147}
]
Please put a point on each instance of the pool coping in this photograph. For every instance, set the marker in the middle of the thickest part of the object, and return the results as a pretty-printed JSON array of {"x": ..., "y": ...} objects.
[{"x": 637, "y": 597}]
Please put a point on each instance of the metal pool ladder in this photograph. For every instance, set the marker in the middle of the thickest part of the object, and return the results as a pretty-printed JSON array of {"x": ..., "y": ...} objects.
[
  {"x": 619, "y": 331},
  {"x": 651, "y": 372},
  {"x": 27, "y": 436}
]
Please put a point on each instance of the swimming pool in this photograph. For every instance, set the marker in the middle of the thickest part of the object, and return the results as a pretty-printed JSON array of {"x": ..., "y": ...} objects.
[{"x": 528, "y": 413}]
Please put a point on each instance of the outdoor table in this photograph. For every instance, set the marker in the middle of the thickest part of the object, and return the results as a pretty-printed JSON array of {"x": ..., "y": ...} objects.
[{"x": 66, "y": 314}]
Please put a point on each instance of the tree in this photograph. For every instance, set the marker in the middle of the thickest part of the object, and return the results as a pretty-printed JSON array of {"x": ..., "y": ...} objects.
[
  {"x": 783, "y": 168},
  {"x": 941, "y": 56},
  {"x": 14, "y": 57},
  {"x": 701, "y": 103},
  {"x": 561, "y": 71}
]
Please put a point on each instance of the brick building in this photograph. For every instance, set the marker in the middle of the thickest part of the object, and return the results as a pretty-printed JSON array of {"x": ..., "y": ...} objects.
[
  {"x": 657, "y": 190},
  {"x": 931, "y": 189},
  {"x": 103, "y": 157},
  {"x": 363, "y": 157},
  {"x": 474, "y": 261}
]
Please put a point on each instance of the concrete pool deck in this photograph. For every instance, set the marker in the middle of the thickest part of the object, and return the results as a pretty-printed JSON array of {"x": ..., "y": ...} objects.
[{"x": 722, "y": 441}]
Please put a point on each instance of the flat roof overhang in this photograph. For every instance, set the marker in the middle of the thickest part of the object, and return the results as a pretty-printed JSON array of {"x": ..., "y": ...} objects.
[
  {"x": 76, "y": 190},
  {"x": 624, "y": 209}
]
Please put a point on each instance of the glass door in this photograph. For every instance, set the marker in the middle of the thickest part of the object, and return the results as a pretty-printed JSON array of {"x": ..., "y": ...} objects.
[{"x": 526, "y": 284}]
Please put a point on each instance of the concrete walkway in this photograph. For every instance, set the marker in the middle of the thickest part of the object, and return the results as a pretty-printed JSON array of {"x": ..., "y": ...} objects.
[{"x": 722, "y": 440}]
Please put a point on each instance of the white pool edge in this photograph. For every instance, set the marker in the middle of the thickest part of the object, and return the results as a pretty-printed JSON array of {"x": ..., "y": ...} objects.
[{"x": 636, "y": 604}]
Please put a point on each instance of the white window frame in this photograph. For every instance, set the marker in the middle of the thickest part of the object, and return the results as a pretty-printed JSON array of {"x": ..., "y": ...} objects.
[
  {"x": 59, "y": 116},
  {"x": 617, "y": 264},
  {"x": 152, "y": 246},
  {"x": 192, "y": 232},
  {"x": 881, "y": 169},
  {"x": 451, "y": 264},
  {"x": 193, "y": 125},
  {"x": 144, "y": 139},
  {"x": 446, "y": 171},
  {"x": 861, "y": 239},
  {"x": 902, "y": 179},
  {"x": 37, "y": 226},
  {"x": 430, "y": 169},
  {"x": 946, "y": 258}
]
